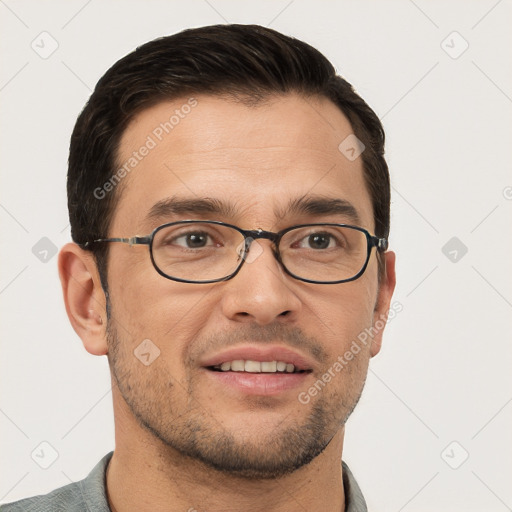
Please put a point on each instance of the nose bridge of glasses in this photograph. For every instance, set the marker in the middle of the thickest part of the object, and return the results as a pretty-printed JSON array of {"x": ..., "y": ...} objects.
[
  {"x": 250, "y": 251},
  {"x": 255, "y": 234},
  {"x": 260, "y": 233}
]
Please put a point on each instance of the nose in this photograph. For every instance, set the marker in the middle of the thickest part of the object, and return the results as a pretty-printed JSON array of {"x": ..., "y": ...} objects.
[{"x": 261, "y": 292}]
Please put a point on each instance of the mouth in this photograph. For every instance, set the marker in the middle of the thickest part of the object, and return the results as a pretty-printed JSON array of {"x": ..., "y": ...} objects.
[
  {"x": 256, "y": 370},
  {"x": 251, "y": 366}
]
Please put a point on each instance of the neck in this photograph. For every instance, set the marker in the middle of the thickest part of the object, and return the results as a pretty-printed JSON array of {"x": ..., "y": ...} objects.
[{"x": 146, "y": 474}]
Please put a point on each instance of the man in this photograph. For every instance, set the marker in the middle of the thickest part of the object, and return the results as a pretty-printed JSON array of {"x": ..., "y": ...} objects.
[{"x": 229, "y": 204}]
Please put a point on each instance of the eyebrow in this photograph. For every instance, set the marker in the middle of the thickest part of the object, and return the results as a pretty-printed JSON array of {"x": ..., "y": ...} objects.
[
  {"x": 179, "y": 206},
  {"x": 315, "y": 206},
  {"x": 318, "y": 206}
]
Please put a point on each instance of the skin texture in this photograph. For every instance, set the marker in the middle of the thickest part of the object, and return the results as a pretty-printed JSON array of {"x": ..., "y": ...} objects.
[{"x": 181, "y": 436}]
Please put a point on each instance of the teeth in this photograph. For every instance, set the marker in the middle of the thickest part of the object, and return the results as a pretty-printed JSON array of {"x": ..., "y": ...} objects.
[
  {"x": 281, "y": 367},
  {"x": 256, "y": 366},
  {"x": 238, "y": 366},
  {"x": 268, "y": 367},
  {"x": 253, "y": 366}
]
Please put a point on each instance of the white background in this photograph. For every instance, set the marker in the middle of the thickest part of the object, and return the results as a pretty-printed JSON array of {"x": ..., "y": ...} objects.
[{"x": 444, "y": 373}]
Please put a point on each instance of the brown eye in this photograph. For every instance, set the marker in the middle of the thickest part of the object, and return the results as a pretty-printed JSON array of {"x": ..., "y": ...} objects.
[{"x": 319, "y": 241}]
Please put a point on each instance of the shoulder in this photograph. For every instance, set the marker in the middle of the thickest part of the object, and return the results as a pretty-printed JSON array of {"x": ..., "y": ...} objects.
[
  {"x": 354, "y": 499},
  {"x": 68, "y": 497},
  {"x": 86, "y": 495}
]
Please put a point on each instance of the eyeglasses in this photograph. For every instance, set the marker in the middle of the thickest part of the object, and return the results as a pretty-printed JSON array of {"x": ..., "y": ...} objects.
[{"x": 197, "y": 251}]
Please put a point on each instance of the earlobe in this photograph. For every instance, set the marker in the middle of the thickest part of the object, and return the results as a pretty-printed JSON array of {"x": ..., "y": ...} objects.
[
  {"x": 84, "y": 297},
  {"x": 386, "y": 289}
]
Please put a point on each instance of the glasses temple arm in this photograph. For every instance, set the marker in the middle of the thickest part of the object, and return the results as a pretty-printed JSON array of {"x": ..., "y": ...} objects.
[{"x": 134, "y": 240}]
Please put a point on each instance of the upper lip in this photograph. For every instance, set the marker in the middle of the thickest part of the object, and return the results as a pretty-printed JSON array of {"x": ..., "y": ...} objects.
[{"x": 258, "y": 353}]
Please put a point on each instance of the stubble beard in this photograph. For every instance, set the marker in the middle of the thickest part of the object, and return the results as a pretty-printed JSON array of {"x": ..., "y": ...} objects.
[{"x": 194, "y": 433}]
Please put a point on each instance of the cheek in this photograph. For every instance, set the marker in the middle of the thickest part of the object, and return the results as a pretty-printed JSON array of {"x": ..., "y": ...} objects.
[
  {"x": 146, "y": 301},
  {"x": 169, "y": 314},
  {"x": 344, "y": 314}
]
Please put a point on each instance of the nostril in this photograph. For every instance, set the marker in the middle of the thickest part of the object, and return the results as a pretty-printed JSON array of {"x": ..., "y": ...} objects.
[{"x": 284, "y": 313}]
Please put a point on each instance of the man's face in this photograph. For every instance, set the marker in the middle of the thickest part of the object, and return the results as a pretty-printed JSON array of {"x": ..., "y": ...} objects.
[{"x": 255, "y": 161}]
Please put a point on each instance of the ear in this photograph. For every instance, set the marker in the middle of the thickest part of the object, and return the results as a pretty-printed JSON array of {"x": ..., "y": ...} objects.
[
  {"x": 386, "y": 289},
  {"x": 84, "y": 297}
]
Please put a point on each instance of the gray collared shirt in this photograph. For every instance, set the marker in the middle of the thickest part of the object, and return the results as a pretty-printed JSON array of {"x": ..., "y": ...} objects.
[{"x": 89, "y": 495}]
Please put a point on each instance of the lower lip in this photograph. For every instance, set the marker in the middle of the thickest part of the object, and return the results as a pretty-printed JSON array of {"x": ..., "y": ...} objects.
[{"x": 259, "y": 383}]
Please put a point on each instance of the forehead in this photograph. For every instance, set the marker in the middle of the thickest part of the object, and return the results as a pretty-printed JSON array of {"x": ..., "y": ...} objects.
[{"x": 254, "y": 159}]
